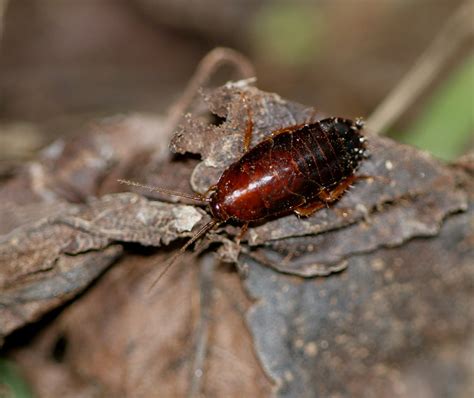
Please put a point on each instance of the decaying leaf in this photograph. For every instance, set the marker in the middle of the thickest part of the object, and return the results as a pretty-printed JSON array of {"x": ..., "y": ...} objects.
[
  {"x": 120, "y": 340},
  {"x": 408, "y": 195},
  {"x": 46, "y": 262},
  {"x": 396, "y": 323},
  {"x": 392, "y": 321}
]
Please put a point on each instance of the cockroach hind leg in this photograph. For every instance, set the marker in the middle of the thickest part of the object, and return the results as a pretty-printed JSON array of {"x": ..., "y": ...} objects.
[
  {"x": 370, "y": 178},
  {"x": 330, "y": 196},
  {"x": 308, "y": 209},
  {"x": 324, "y": 198}
]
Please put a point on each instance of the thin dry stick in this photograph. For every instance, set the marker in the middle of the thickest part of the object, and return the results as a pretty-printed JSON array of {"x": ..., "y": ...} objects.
[
  {"x": 3, "y": 9},
  {"x": 206, "y": 68},
  {"x": 453, "y": 35},
  {"x": 202, "y": 334}
]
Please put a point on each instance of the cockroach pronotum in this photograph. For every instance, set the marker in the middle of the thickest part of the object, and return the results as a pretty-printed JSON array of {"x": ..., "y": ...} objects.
[{"x": 296, "y": 169}]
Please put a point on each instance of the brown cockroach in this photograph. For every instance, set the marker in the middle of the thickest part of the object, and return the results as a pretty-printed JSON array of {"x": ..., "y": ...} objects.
[{"x": 299, "y": 169}]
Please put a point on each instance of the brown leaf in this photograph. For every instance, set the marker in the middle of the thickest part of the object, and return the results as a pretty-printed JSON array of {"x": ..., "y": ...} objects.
[
  {"x": 73, "y": 170},
  {"x": 409, "y": 195},
  {"x": 141, "y": 344},
  {"x": 395, "y": 320},
  {"x": 36, "y": 257}
]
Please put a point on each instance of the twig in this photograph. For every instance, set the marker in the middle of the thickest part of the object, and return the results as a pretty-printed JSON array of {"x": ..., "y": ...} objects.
[
  {"x": 202, "y": 334},
  {"x": 206, "y": 68},
  {"x": 3, "y": 9},
  {"x": 455, "y": 32}
]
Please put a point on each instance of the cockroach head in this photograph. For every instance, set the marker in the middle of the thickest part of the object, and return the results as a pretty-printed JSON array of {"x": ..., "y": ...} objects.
[{"x": 217, "y": 211}]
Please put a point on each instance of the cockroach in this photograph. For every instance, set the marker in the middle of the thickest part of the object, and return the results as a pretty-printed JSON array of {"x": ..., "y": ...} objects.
[{"x": 299, "y": 169}]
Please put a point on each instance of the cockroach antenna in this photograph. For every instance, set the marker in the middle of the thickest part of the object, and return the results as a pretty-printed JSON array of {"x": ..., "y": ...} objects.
[
  {"x": 196, "y": 197},
  {"x": 204, "y": 229}
]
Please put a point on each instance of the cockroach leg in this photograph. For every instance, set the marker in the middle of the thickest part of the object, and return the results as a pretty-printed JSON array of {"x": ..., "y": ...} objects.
[
  {"x": 242, "y": 233},
  {"x": 325, "y": 197},
  {"x": 242, "y": 268},
  {"x": 372, "y": 178},
  {"x": 309, "y": 208},
  {"x": 334, "y": 194}
]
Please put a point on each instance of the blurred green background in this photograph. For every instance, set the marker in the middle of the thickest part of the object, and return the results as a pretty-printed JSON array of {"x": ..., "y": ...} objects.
[
  {"x": 445, "y": 125},
  {"x": 12, "y": 383}
]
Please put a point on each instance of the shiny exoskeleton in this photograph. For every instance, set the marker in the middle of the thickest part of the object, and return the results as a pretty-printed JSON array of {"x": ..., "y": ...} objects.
[{"x": 300, "y": 169}]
